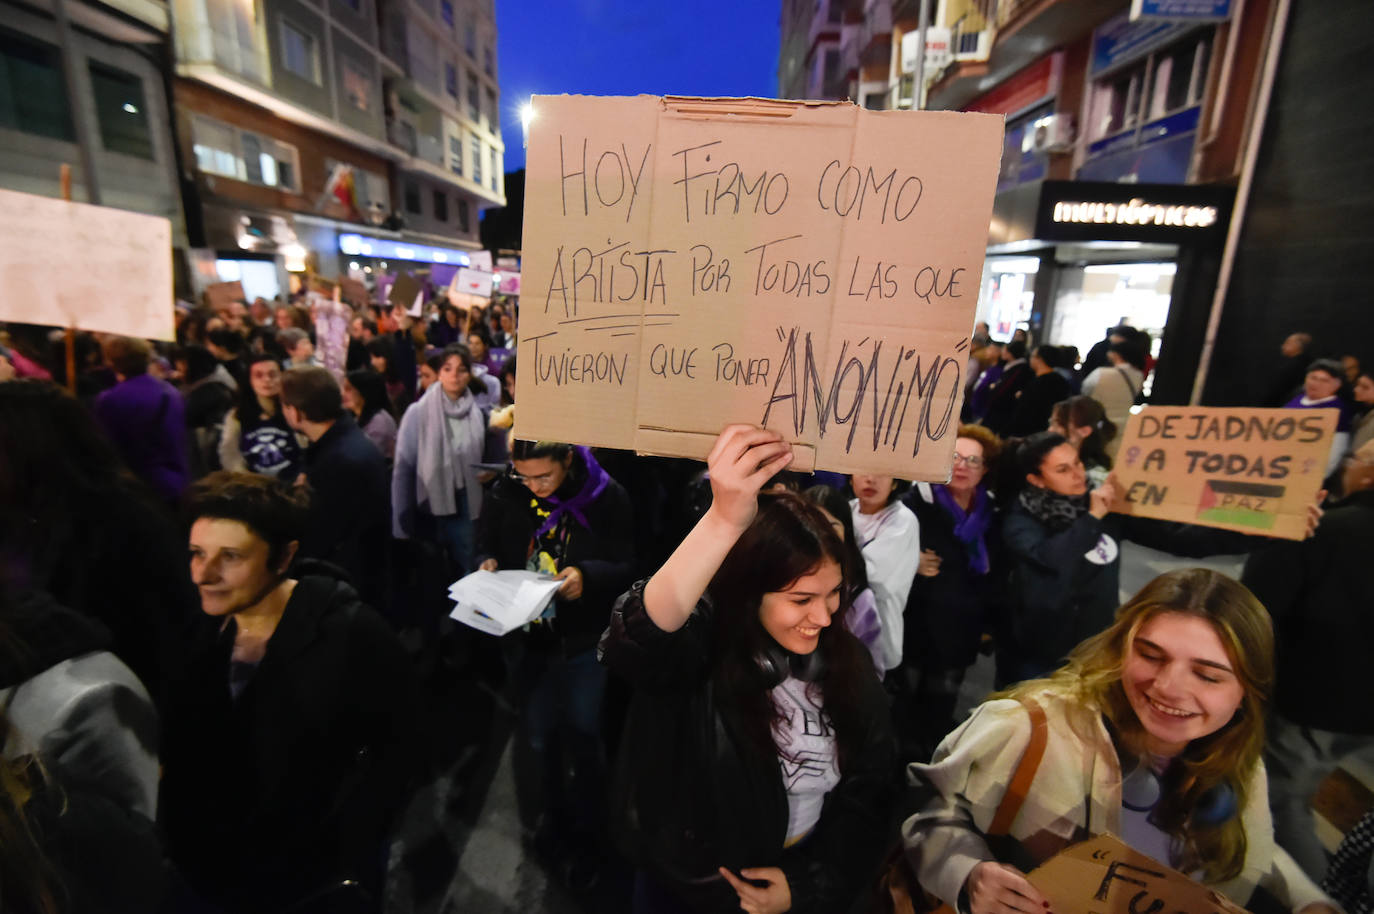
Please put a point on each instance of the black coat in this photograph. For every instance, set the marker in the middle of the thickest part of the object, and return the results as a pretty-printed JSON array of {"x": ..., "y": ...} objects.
[
  {"x": 1036, "y": 403},
  {"x": 691, "y": 792},
  {"x": 947, "y": 614},
  {"x": 602, "y": 551},
  {"x": 350, "y": 508},
  {"x": 291, "y": 786},
  {"x": 1321, "y": 594},
  {"x": 1003, "y": 398}
]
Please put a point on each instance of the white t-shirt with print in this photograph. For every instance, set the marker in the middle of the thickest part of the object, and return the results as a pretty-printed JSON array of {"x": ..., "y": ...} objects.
[{"x": 807, "y": 756}]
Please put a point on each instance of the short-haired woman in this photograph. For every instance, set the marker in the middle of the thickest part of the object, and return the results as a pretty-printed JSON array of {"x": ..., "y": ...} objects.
[
  {"x": 1153, "y": 733},
  {"x": 291, "y": 722}
]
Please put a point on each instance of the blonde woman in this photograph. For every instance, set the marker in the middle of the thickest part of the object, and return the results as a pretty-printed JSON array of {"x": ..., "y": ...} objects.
[{"x": 1154, "y": 733}]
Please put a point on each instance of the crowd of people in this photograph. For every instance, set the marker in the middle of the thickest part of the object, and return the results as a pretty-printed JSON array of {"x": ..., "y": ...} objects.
[{"x": 223, "y": 576}]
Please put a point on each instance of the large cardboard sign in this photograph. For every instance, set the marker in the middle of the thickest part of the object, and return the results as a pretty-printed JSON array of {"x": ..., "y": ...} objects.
[
  {"x": 1252, "y": 470},
  {"x": 91, "y": 267},
  {"x": 812, "y": 267},
  {"x": 1104, "y": 876}
]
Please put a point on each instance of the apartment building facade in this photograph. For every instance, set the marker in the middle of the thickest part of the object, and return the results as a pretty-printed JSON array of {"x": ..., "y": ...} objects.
[
  {"x": 339, "y": 134},
  {"x": 1120, "y": 109}
]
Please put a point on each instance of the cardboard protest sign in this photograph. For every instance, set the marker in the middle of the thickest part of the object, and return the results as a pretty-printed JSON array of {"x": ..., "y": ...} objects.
[
  {"x": 473, "y": 282},
  {"x": 406, "y": 292},
  {"x": 354, "y": 291},
  {"x": 219, "y": 295},
  {"x": 1104, "y": 876},
  {"x": 91, "y": 267},
  {"x": 1251, "y": 470},
  {"x": 808, "y": 266}
]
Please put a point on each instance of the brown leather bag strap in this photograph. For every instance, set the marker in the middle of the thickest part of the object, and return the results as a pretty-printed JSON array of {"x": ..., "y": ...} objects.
[{"x": 1025, "y": 770}]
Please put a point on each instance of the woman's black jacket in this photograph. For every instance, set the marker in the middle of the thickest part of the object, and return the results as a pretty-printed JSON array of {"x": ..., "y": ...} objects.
[
  {"x": 603, "y": 551},
  {"x": 690, "y": 792}
]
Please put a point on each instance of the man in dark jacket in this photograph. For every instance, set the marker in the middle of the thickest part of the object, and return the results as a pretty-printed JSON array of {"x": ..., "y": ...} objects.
[
  {"x": 1321, "y": 596},
  {"x": 561, "y": 514},
  {"x": 1002, "y": 399},
  {"x": 1033, "y": 408},
  {"x": 350, "y": 506}
]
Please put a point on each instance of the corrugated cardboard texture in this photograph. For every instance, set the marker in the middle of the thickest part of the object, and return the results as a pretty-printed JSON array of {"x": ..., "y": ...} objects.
[
  {"x": 1251, "y": 470},
  {"x": 811, "y": 267}
]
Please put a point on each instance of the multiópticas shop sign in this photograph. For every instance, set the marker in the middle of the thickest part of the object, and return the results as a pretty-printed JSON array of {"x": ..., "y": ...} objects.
[{"x": 1163, "y": 213}]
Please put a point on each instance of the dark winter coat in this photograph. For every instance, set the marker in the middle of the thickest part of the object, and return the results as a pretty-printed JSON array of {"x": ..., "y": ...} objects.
[
  {"x": 290, "y": 787},
  {"x": 691, "y": 793},
  {"x": 603, "y": 550},
  {"x": 947, "y": 614},
  {"x": 350, "y": 507},
  {"x": 1321, "y": 596}
]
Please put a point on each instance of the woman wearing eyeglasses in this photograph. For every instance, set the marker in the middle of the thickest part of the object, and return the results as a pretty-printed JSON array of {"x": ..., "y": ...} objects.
[
  {"x": 560, "y": 513},
  {"x": 958, "y": 586}
]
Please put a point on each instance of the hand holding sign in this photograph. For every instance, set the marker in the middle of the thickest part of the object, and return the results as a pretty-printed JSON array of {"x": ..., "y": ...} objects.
[
  {"x": 996, "y": 888},
  {"x": 743, "y": 459}
]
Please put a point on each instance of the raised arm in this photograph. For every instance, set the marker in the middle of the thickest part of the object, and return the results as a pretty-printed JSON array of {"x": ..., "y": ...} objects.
[{"x": 743, "y": 459}]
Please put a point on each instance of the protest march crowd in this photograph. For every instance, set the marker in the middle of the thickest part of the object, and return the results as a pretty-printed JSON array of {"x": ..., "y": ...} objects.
[{"x": 223, "y": 569}]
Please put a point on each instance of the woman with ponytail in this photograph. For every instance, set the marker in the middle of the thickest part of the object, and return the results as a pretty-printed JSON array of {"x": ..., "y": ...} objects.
[{"x": 1153, "y": 733}]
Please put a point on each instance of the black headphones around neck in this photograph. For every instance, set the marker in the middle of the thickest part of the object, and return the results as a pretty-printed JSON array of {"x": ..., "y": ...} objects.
[{"x": 776, "y": 663}]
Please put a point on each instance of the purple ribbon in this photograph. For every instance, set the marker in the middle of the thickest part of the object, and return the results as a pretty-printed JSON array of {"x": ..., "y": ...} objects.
[{"x": 595, "y": 484}]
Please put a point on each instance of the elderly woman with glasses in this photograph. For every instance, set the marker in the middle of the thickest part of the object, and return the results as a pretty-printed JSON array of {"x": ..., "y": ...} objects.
[{"x": 958, "y": 585}]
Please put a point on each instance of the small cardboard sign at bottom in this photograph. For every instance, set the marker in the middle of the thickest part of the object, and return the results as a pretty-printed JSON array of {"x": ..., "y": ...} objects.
[{"x": 1104, "y": 876}]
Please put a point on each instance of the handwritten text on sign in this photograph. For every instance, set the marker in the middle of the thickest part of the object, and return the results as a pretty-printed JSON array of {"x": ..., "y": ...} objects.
[
  {"x": 1252, "y": 470},
  {"x": 809, "y": 267}
]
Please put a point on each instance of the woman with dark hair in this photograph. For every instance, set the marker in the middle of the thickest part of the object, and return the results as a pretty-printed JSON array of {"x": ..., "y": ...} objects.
[
  {"x": 381, "y": 351},
  {"x": 756, "y": 766},
  {"x": 435, "y": 491},
  {"x": 1152, "y": 732},
  {"x": 1064, "y": 563},
  {"x": 291, "y": 729},
  {"x": 890, "y": 540},
  {"x": 1084, "y": 424},
  {"x": 1362, "y": 426},
  {"x": 256, "y": 437},
  {"x": 209, "y": 391},
  {"x": 447, "y": 326},
  {"x": 77, "y": 525},
  {"x": 862, "y": 618},
  {"x": 959, "y": 588},
  {"x": 364, "y": 395},
  {"x": 561, "y": 514}
]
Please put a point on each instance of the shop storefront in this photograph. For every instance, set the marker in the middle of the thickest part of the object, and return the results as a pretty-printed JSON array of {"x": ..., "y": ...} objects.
[{"x": 1076, "y": 257}]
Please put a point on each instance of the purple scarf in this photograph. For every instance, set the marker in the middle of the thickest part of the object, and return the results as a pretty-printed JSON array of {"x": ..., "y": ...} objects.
[
  {"x": 969, "y": 528},
  {"x": 595, "y": 484}
]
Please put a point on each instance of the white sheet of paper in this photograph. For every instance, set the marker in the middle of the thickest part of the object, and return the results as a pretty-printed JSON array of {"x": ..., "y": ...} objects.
[{"x": 497, "y": 602}]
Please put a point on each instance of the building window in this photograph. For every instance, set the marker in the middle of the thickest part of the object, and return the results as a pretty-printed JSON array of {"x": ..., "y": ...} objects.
[
  {"x": 446, "y": 12},
  {"x": 299, "y": 52},
  {"x": 451, "y": 79},
  {"x": 412, "y": 197},
  {"x": 464, "y": 223},
  {"x": 477, "y": 161},
  {"x": 121, "y": 111},
  {"x": 474, "y": 98},
  {"x": 470, "y": 40},
  {"x": 33, "y": 97},
  {"x": 455, "y": 154},
  {"x": 489, "y": 60},
  {"x": 1116, "y": 102},
  {"x": 440, "y": 206},
  {"x": 357, "y": 85},
  {"x": 245, "y": 156},
  {"x": 493, "y": 113},
  {"x": 495, "y": 169},
  {"x": 1180, "y": 75}
]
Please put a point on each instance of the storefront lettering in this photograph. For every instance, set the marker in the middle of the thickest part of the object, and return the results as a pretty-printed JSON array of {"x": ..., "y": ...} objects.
[{"x": 1136, "y": 212}]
